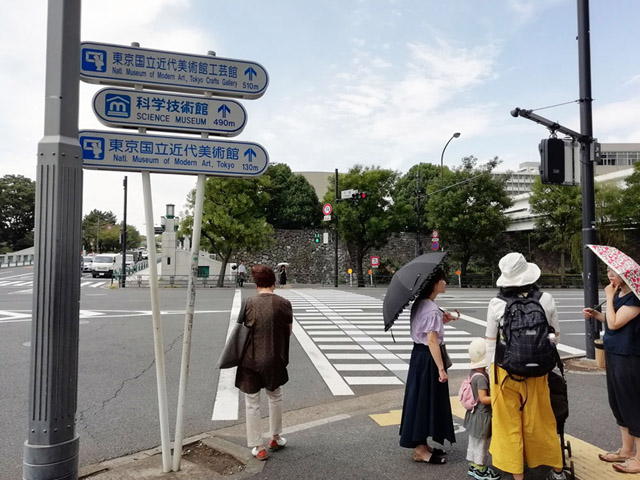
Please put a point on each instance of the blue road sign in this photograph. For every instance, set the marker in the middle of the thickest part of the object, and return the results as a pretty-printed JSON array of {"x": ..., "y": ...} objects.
[
  {"x": 182, "y": 72},
  {"x": 104, "y": 150},
  {"x": 119, "y": 107}
]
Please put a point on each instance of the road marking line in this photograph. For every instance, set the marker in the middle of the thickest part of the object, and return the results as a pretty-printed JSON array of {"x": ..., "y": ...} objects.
[
  {"x": 315, "y": 423},
  {"x": 359, "y": 367},
  {"x": 339, "y": 347},
  {"x": 348, "y": 356},
  {"x": 373, "y": 380},
  {"x": 225, "y": 406}
]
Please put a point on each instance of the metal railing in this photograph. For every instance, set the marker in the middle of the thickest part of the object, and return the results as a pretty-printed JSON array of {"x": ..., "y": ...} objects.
[{"x": 16, "y": 260}]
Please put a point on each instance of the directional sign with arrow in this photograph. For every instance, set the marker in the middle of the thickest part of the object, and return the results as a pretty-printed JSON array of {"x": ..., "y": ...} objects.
[
  {"x": 106, "y": 150},
  {"x": 119, "y": 107},
  {"x": 157, "y": 69}
]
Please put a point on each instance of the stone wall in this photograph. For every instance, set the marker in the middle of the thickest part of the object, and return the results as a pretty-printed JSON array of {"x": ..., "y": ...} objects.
[{"x": 314, "y": 263}]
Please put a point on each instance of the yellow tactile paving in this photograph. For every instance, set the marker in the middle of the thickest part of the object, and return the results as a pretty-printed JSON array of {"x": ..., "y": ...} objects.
[{"x": 584, "y": 456}]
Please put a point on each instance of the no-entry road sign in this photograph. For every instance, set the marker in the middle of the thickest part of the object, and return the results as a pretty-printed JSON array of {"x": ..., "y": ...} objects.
[
  {"x": 104, "y": 150},
  {"x": 182, "y": 72},
  {"x": 119, "y": 107}
]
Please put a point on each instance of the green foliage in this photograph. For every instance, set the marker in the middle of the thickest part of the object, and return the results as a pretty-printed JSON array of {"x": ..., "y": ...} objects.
[
  {"x": 466, "y": 207},
  {"x": 410, "y": 195},
  {"x": 233, "y": 217},
  {"x": 631, "y": 197},
  {"x": 367, "y": 223},
  {"x": 100, "y": 231},
  {"x": 610, "y": 215},
  {"x": 560, "y": 220},
  {"x": 17, "y": 212},
  {"x": 293, "y": 201}
]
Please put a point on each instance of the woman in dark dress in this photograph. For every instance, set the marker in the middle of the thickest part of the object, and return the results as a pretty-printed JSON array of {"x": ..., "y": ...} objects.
[
  {"x": 427, "y": 410},
  {"x": 622, "y": 358},
  {"x": 264, "y": 365}
]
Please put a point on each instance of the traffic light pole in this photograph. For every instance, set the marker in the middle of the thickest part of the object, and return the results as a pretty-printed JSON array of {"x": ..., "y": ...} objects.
[{"x": 585, "y": 139}]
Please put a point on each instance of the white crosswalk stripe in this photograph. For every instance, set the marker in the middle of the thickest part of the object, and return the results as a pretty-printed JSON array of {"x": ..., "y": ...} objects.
[
  {"x": 24, "y": 282},
  {"x": 347, "y": 332}
]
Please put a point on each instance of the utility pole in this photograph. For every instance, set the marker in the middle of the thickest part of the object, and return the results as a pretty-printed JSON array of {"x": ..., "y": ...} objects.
[
  {"x": 335, "y": 243},
  {"x": 590, "y": 267},
  {"x": 52, "y": 445},
  {"x": 123, "y": 273}
]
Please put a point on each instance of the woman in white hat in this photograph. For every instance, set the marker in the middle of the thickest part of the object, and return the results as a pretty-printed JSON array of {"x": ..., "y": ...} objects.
[{"x": 519, "y": 403}]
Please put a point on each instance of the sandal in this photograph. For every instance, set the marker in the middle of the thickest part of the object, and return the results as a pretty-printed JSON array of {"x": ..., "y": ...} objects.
[
  {"x": 612, "y": 457},
  {"x": 439, "y": 452},
  {"x": 625, "y": 467},
  {"x": 434, "y": 458}
]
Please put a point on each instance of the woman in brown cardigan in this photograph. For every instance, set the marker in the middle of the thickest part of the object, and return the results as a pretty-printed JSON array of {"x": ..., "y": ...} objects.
[{"x": 264, "y": 365}]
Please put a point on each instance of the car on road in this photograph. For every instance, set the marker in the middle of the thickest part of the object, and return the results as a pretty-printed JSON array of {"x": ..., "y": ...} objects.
[
  {"x": 87, "y": 264},
  {"x": 104, "y": 264}
]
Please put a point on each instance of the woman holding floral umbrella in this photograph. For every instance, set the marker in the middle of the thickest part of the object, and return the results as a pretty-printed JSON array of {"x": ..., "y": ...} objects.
[{"x": 622, "y": 353}]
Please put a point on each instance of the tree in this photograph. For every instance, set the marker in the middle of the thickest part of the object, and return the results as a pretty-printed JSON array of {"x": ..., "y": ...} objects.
[
  {"x": 466, "y": 207},
  {"x": 560, "y": 221},
  {"x": 366, "y": 223},
  {"x": 611, "y": 216},
  {"x": 410, "y": 198},
  {"x": 233, "y": 217},
  {"x": 293, "y": 201},
  {"x": 100, "y": 231},
  {"x": 17, "y": 212}
]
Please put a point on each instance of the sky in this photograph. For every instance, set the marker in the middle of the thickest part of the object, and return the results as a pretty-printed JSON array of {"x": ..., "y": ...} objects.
[{"x": 373, "y": 82}]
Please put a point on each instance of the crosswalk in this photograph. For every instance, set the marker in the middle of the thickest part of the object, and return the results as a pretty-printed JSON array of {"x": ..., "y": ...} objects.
[
  {"x": 343, "y": 334},
  {"x": 26, "y": 286}
]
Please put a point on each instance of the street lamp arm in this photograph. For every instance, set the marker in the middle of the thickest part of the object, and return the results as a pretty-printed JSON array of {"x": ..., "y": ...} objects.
[{"x": 455, "y": 135}]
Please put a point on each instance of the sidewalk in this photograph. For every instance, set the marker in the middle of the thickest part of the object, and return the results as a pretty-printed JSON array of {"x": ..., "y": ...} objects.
[{"x": 357, "y": 438}]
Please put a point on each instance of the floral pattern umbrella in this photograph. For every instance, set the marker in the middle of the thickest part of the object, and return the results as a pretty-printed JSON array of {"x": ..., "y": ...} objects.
[{"x": 621, "y": 263}]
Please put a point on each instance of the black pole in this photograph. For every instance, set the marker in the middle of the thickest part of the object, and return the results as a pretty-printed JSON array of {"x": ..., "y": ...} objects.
[
  {"x": 123, "y": 273},
  {"x": 588, "y": 193},
  {"x": 52, "y": 445},
  {"x": 335, "y": 243}
]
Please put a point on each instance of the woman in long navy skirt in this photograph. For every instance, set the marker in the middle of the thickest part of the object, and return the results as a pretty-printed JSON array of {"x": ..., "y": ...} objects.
[{"x": 426, "y": 411}]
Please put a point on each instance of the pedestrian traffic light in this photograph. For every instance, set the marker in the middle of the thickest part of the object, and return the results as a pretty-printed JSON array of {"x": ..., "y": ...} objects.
[
  {"x": 316, "y": 239},
  {"x": 363, "y": 195},
  {"x": 552, "y": 165}
]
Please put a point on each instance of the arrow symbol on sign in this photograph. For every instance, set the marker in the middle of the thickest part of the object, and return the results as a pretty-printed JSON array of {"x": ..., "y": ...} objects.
[
  {"x": 224, "y": 110},
  {"x": 250, "y": 153},
  {"x": 251, "y": 72}
]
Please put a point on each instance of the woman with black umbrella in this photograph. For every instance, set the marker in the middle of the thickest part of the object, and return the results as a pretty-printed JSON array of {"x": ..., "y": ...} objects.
[{"x": 426, "y": 411}]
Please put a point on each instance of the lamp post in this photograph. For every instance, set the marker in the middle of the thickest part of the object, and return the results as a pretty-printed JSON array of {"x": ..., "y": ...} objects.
[{"x": 455, "y": 135}]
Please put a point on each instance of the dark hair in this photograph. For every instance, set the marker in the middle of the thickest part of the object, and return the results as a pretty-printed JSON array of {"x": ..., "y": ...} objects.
[
  {"x": 436, "y": 276},
  {"x": 515, "y": 291},
  {"x": 263, "y": 276}
]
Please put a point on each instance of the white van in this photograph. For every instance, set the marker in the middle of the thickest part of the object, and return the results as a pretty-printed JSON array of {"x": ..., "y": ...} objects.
[{"x": 104, "y": 264}]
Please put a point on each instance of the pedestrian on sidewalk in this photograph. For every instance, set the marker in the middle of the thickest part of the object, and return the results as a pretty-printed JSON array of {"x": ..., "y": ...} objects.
[
  {"x": 242, "y": 274},
  {"x": 426, "y": 411},
  {"x": 523, "y": 424},
  {"x": 264, "y": 365},
  {"x": 622, "y": 360},
  {"x": 477, "y": 421}
]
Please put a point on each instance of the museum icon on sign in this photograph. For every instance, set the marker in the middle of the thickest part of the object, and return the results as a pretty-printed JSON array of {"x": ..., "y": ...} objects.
[{"x": 117, "y": 105}]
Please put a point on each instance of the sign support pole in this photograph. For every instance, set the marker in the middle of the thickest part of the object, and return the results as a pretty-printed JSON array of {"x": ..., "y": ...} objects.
[
  {"x": 158, "y": 342},
  {"x": 52, "y": 445}
]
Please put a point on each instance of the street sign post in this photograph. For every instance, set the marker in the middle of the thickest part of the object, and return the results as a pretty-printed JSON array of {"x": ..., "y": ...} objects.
[
  {"x": 119, "y": 107},
  {"x": 161, "y": 70},
  {"x": 375, "y": 262},
  {"x": 105, "y": 150},
  {"x": 347, "y": 194},
  {"x": 326, "y": 209}
]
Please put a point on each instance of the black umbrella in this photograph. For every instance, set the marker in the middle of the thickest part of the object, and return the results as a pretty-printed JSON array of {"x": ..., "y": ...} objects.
[{"x": 407, "y": 283}]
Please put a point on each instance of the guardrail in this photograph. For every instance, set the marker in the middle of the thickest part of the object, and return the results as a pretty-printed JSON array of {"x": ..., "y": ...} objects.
[{"x": 16, "y": 260}]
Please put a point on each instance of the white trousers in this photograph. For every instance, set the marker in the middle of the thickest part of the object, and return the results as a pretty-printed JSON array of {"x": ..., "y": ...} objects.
[
  {"x": 252, "y": 407},
  {"x": 478, "y": 450}
]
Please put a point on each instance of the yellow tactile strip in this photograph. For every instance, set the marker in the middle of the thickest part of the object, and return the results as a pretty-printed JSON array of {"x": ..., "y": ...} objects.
[{"x": 587, "y": 465}]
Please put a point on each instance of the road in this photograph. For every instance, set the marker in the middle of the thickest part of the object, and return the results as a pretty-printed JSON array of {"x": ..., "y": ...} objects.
[{"x": 339, "y": 351}]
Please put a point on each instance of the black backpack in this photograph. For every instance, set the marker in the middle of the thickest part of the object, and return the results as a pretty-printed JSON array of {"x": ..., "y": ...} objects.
[{"x": 523, "y": 347}]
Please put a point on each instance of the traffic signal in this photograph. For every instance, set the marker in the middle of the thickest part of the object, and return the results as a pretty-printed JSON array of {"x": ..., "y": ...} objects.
[
  {"x": 552, "y": 165},
  {"x": 359, "y": 196},
  {"x": 316, "y": 239}
]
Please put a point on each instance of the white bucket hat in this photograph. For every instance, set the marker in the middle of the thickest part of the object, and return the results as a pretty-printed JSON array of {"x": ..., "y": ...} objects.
[
  {"x": 478, "y": 353},
  {"x": 516, "y": 271}
]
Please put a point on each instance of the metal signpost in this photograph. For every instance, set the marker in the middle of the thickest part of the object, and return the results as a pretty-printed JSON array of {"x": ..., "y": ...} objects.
[
  {"x": 52, "y": 445},
  {"x": 161, "y": 70},
  {"x": 118, "y": 107},
  {"x": 114, "y": 150}
]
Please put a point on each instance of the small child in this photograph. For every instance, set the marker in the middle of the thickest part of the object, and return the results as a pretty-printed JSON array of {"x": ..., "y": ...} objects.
[{"x": 478, "y": 421}]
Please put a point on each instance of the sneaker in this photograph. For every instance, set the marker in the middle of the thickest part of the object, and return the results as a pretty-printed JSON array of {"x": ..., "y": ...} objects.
[
  {"x": 552, "y": 475},
  {"x": 472, "y": 471},
  {"x": 261, "y": 454},
  {"x": 278, "y": 444},
  {"x": 487, "y": 474}
]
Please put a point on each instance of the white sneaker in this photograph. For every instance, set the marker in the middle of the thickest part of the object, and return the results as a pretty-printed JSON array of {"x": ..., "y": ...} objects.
[{"x": 552, "y": 475}]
